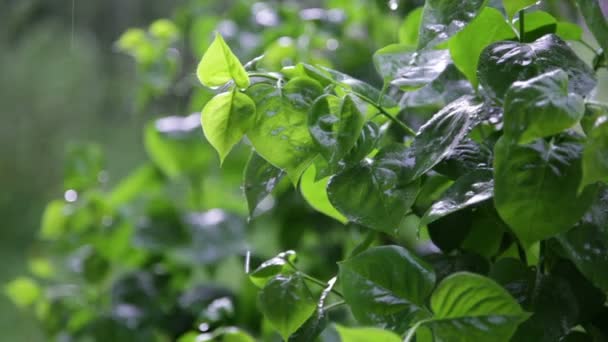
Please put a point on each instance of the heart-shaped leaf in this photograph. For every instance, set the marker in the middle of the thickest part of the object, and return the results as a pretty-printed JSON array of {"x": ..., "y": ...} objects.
[
  {"x": 442, "y": 19},
  {"x": 315, "y": 193},
  {"x": 219, "y": 66},
  {"x": 366, "y": 334},
  {"x": 403, "y": 66}
]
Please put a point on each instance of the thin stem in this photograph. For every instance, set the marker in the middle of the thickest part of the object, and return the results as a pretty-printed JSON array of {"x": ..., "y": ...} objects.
[
  {"x": 315, "y": 280},
  {"x": 522, "y": 30},
  {"x": 334, "y": 305},
  {"x": 263, "y": 75},
  {"x": 588, "y": 46},
  {"x": 370, "y": 237},
  {"x": 521, "y": 252},
  {"x": 405, "y": 128}
]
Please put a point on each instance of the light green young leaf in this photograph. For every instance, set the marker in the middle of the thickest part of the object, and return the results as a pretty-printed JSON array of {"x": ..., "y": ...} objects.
[
  {"x": 366, "y": 335},
  {"x": 220, "y": 66},
  {"x": 23, "y": 291},
  {"x": 225, "y": 119},
  {"x": 442, "y": 19},
  {"x": 315, "y": 193},
  {"x": 387, "y": 287},
  {"x": 466, "y": 46},
  {"x": 514, "y": 6},
  {"x": 541, "y": 107},
  {"x": 409, "y": 29},
  {"x": 287, "y": 303}
]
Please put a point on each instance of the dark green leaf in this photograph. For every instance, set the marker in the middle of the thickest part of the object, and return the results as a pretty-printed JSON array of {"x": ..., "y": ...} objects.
[
  {"x": 486, "y": 234},
  {"x": 516, "y": 277},
  {"x": 535, "y": 188},
  {"x": 335, "y": 126},
  {"x": 448, "y": 232},
  {"x": 595, "y": 154},
  {"x": 444, "y": 132},
  {"x": 365, "y": 144},
  {"x": 280, "y": 134},
  {"x": 446, "y": 265},
  {"x": 596, "y": 21},
  {"x": 287, "y": 303},
  {"x": 219, "y": 66},
  {"x": 377, "y": 193},
  {"x": 442, "y": 19},
  {"x": 470, "y": 307},
  {"x": 260, "y": 179},
  {"x": 503, "y": 63},
  {"x": 466, "y": 46},
  {"x": 366, "y": 335},
  {"x": 270, "y": 268},
  {"x": 541, "y": 107},
  {"x": 403, "y": 66},
  {"x": 377, "y": 291},
  {"x": 465, "y": 158},
  {"x": 225, "y": 119}
]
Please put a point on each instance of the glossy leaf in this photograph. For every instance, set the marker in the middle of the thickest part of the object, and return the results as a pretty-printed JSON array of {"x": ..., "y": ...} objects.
[
  {"x": 287, "y": 303},
  {"x": 468, "y": 190},
  {"x": 535, "y": 190},
  {"x": 386, "y": 287},
  {"x": 465, "y": 158},
  {"x": 442, "y": 19},
  {"x": 466, "y": 46},
  {"x": 587, "y": 243},
  {"x": 595, "y": 154},
  {"x": 259, "y": 181},
  {"x": 225, "y": 120},
  {"x": 470, "y": 307},
  {"x": 315, "y": 193},
  {"x": 220, "y": 66},
  {"x": 596, "y": 21},
  {"x": 408, "y": 31},
  {"x": 335, "y": 125},
  {"x": 569, "y": 31},
  {"x": 366, "y": 334},
  {"x": 514, "y": 6},
  {"x": 365, "y": 144},
  {"x": 503, "y": 63},
  {"x": 272, "y": 267},
  {"x": 377, "y": 193},
  {"x": 541, "y": 107},
  {"x": 537, "y": 24},
  {"x": 403, "y": 66},
  {"x": 280, "y": 134},
  {"x": 444, "y": 132}
]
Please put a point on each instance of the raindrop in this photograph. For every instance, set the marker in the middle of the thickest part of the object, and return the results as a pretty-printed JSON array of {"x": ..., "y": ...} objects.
[{"x": 70, "y": 195}]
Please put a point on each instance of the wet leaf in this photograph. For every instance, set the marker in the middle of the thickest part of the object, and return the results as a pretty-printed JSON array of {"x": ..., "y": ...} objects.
[
  {"x": 220, "y": 66},
  {"x": 259, "y": 181},
  {"x": 596, "y": 21},
  {"x": 442, "y": 19},
  {"x": 366, "y": 334},
  {"x": 514, "y": 6},
  {"x": 315, "y": 193},
  {"x": 403, "y": 66},
  {"x": 377, "y": 291},
  {"x": 409, "y": 29},
  {"x": 595, "y": 154}
]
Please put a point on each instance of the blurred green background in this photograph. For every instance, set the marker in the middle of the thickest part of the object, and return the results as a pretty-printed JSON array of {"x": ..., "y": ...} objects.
[{"x": 62, "y": 80}]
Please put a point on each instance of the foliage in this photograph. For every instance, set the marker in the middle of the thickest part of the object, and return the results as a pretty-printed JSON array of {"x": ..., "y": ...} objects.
[{"x": 472, "y": 182}]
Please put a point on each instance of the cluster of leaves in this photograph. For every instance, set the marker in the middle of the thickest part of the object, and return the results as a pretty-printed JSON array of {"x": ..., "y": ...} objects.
[{"x": 484, "y": 134}]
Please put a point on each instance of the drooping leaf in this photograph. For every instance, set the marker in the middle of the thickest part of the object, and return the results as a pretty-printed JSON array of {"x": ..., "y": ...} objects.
[
  {"x": 259, "y": 181},
  {"x": 442, "y": 19},
  {"x": 287, "y": 303},
  {"x": 468, "y": 190},
  {"x": 403, "y": 66},
  {"x": 225, "y": 120},
  {"x": 569, "y": 31},
  {"x": 535, "y": 186},
  {"x": 366, "y": 334},
  {"x": 408, "y": 31},
  {"x": 587, "y": 243},
  {"x": 280, "y": 134},
  {"x": 272, "y": 267},
  {"x": 466, "y": 46},
  {"x": 541, "y": 107},
  {"x": 503, "y": 63},
  {"x": 335, "y": 125},
  {"x": 377, "y": 193},
  {"x": 470, "y": 307},
  {"x": 315, "y": 193},
  {"x": 514, "y": 6},
  {"x": 386, "y": 287},
  {"x": 596, "y": 21},
  {"x": 595, "y": 154},
  {"x": 443, "y": 132},
  {"x": 220, "y": 66},
  {"x": 537, "y": 24}
]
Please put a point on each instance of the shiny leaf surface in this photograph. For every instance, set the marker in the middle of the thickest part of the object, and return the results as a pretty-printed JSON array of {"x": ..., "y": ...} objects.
[
  {"x": 442, "y": 19},
  {"x": 595, "y": 154},
  {"x": 220, "y": 66},
  {"x": 260, "y": 179}
]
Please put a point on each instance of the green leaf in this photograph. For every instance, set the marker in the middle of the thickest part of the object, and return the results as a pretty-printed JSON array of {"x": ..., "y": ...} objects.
[
  {"x": 541, "y": 107},
  {"x": 569, "y": 31},
  {"x": 365, "y": 144},
  {"x": 377, "y": 193},
  {"x": 270, "y": 268},
  {"x": 468, "y": 190},
  {"x": 486, "y": 234},
  {"x": 315, "y": 193},
  {"x": 83, "y": 167},
  {"x": 287, "y": 303},
  {"x": 535, "y": 190},
  {"x": 503, "y": 63},
  {"x": 466, "y": 46},
  {"x": 409, "y": 29},
  {"x": 596, "y": 21},
  {"x": 219, "y": 66},
  {"x": 23, "y": 291},
  {"x": 403, "y": 66},
  {"x": 595, "y": 154},
  {"x": 442, "y": 19},
  {"x": 514, "y": 6},
  {"x": 366, "y": 335},
  {"x": 259, "y": 181},
  {"x": 537, "y": 24},
  {"x": 587, "y": 243},
  {"x": 444, "y": 132},
  {"x": 335, "y": 125},
  {"x": 280, "y": 134},
  {"x": 465, "y": 158},
  {"x": 225, "y": 119},
  {"x": 54, "y": 220},
  {"x": 469, "y": 308},
  {"x": 386, "y": 287},
  {"x": 145, "y": 179}
]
